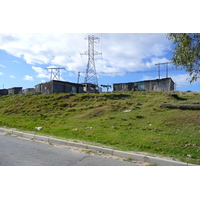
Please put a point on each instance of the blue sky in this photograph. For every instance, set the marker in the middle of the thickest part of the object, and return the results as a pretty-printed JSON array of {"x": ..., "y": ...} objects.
[{"x": 126, "y": 57}]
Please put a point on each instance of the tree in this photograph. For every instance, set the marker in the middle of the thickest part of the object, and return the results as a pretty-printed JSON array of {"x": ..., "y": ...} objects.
[{"x": 186, "y": 53}]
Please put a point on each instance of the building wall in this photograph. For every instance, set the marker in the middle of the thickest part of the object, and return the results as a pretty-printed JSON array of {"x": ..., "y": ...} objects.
[
  {"x": 3, "y": 92},
  {"x": 58, "y": 87},
  {"x": 159, "y": 85},
  {"x": 45, "y": 88},
  {"x": 27, "y": 90},
  {"x": 165, "y": 84},
  {"x": 14, "y": 90}
]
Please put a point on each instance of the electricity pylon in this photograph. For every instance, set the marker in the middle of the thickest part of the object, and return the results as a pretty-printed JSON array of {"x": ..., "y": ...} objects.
[
  {"x": 55, "y": 73},
  {"x": 91, "y": 75},
  {"x": 166, "y": 68}
]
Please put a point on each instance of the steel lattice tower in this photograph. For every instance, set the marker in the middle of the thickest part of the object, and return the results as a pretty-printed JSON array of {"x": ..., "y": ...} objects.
[
  {"x": 91, "y": 75},
  {"x": 55, "y": 73}
]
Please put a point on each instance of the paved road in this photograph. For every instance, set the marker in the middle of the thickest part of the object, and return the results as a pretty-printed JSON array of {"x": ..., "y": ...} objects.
[{"x": 21, "y": 152}]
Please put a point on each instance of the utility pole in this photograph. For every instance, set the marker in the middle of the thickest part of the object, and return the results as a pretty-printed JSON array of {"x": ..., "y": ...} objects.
[
  {"x": 55, "y": 73},
  {"x": 78, "y": 77},
  {"x": 91, "y": 75},
  {"x": 159, "y": 68}
]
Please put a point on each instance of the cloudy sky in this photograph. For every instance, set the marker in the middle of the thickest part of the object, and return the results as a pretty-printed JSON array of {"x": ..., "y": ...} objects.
[
  {"x": 34, "y": 37},
  {"x": 126, "y": 57}
]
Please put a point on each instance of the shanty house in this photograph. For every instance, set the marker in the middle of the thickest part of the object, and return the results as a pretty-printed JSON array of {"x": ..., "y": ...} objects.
[
  {"x": 14, "y": 90},
  {"x": 56, "y": 86},
  {"x": 165, "y": 84},
  {"x": 27, "y": 90},
  {"x": 3, "y": 91}
]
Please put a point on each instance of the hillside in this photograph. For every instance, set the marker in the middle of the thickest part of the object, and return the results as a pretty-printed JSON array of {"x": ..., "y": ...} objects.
[{"x": 130, "y": 121}]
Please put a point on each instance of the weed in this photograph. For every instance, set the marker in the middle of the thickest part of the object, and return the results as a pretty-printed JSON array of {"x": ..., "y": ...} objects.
[
  {"x": 89, "y": 151},
  {"x": 128, "y": 159},
  {"x": 151, "y": 164}
]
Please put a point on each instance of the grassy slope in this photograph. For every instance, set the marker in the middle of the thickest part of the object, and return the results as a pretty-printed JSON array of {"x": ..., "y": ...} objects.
[{"x": 146, "y": 128}]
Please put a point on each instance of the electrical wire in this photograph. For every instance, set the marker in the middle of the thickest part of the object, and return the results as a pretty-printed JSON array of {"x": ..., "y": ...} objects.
[{"x": 77, "y": 47}]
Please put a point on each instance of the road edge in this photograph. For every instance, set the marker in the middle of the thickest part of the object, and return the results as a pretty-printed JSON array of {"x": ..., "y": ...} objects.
[{"x": 122, "y": 154}]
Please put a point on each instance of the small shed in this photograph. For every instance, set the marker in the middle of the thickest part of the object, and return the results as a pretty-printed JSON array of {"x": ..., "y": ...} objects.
[
  {"x": 14, "y": 90},
  {"x": 165, "y": 84},
  {"x": 27, "y": 90},
  {"x": 55, "y": 86},
  {"x": 3, "y": 91}
]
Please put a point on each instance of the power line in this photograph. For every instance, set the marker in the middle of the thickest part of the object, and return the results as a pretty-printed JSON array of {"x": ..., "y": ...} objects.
[
  {"x": 77, "y": 48},
  {"x": 131, "y": 72}
]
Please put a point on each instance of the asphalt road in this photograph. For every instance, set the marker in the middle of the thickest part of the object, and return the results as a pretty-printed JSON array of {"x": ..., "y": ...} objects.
[{"x": 16, "y": 151}]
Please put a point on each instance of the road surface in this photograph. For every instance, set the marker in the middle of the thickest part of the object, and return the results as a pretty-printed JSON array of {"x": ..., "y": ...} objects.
[{"x": 16, "y": 151}]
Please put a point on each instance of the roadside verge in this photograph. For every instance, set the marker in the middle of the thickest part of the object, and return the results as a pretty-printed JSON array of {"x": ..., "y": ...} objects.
[{"x": 138, "y": 157}]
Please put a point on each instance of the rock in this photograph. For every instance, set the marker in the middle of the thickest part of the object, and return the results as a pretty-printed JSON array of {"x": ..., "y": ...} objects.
[{"x": 187, "y": 144}]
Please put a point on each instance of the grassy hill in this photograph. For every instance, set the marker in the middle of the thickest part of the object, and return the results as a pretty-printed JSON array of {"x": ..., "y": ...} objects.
[{"x": 130, "y": 121}]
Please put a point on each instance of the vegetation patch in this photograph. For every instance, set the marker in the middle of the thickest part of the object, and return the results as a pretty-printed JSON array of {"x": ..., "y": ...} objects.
[{"x": 129, "y": 121}]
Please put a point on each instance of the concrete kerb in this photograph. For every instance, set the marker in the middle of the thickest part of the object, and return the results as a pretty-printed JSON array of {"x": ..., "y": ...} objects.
[
  {"x": 78, "y": 145},
  {"x": 41, "y": 138},
  {"x": 18, "y": 133},
  {"x": 29, "y": 136},
  {"x": 104, "y": 150},
  {"x": 6, "y": 131},
  {"x": 57, "y": 141},
  {"x": 121, "y": 154},
  {"x": 163, "y": 162}
]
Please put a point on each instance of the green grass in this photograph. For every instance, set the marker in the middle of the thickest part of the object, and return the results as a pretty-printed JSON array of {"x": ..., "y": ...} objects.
[{"x": 99, "y": 119}]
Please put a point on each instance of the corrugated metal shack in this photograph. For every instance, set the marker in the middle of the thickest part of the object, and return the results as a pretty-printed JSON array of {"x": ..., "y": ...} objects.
[
  {"x": 3, "y": 92},
  {"x": 165, "y": 84},
  {"x": 27, "y": 90},
  {"x": 56, "y": 86},
  {"x": 14, "y": 90}
]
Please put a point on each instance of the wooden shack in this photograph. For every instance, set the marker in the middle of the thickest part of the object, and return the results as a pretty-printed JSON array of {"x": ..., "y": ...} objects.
[
  {"x": 56, "y": 86},
  {"x": 14, "y": 90},
  {"x": 165, "y": 84},
  {"x": 3, "y": 91}
]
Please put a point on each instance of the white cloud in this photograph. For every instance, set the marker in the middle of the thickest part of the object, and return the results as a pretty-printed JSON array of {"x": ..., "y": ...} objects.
[
  {"x": 148, "y": 77},
  {"x": 1, "y": 73},
  {"x": 28, "y": 78},
  {"x": 11, "y": 76},
  {"x": 41, "y": 73},
  {"x": 121, "y": 52},
  {"x": 2, "y": 66},
  {"x": 181, "y": 79},
  {"x": 156, "y": 60}
]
